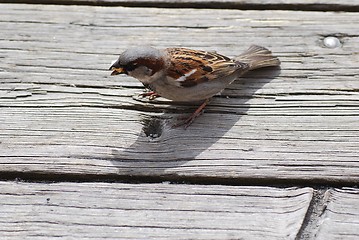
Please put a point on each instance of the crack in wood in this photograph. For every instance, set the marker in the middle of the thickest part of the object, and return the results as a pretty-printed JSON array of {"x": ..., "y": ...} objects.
[{"x": 311, "y": 222}]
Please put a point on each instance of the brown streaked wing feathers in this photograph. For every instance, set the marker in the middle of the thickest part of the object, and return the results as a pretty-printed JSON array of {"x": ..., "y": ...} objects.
[{"x": 208, "y": 65}]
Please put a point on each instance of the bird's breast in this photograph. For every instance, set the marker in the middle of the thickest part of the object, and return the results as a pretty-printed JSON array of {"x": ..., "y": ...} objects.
[{"x": 167, "y": 89}]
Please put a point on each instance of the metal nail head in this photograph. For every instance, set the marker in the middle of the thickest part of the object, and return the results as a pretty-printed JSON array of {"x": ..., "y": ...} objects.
[{"x": 331, "y": 42}]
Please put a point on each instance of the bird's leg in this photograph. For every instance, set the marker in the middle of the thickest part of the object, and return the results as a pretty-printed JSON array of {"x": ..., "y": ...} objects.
[
  {"x": 194, "y": 115},
  {"x": 151, "y": 95}
]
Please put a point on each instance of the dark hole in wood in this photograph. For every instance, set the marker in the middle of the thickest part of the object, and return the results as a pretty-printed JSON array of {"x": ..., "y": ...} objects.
[{"x": 152, "y": 127}]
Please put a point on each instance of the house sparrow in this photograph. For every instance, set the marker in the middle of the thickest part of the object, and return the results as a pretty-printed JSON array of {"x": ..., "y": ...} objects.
[{"x": 187, "y": 75}]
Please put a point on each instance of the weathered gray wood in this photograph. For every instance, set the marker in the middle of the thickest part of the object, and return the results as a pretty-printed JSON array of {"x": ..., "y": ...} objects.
[
  {"x": 306, "y": 5},
  {"x": 61, "y": 112},
  {"x": 150, "y": 211},
  {"x": 340, "y": 219}
]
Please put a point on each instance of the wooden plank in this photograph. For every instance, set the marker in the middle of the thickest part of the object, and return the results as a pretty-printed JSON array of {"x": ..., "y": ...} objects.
[
  {"x": 150, "y": 211},
  {"x": 62, "y": 114},
  {"x": 341, "y": 216},
  {"x": 303, "y": 5}
]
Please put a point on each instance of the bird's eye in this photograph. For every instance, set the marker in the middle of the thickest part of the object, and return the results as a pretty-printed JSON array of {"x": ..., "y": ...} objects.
[{"x": 131, "y": 66}]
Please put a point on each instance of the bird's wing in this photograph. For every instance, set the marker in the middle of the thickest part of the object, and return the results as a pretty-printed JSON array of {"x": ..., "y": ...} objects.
[{"x": 191, "y": 67}]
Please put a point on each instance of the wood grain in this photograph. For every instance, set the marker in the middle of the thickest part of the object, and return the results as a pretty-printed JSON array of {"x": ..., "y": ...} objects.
[
  {"x": 61, "y": 112},
  {"x": 340, "y": 218},
  {"x": 150, "y": 211},
  {"x": 296, "y": 5}
]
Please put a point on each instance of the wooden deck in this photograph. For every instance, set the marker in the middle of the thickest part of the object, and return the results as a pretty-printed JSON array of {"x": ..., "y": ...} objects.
[{"x": 81, "y": 156}]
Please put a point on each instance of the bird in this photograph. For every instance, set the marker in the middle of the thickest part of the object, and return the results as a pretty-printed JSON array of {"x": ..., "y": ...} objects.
[{"x": 188, "y": 75}]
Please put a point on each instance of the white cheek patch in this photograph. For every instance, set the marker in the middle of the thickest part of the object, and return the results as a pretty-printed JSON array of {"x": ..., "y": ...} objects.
[
  {"x": 184, "y": 77},
  {"x": 144, "y": 75}
]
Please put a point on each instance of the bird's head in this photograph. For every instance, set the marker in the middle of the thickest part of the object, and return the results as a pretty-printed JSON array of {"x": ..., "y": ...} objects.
[{"x": 143, "y": 63}]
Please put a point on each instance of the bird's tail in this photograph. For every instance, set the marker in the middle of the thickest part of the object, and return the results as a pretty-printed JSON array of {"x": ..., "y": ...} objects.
[{"x": 258, "y": 57}]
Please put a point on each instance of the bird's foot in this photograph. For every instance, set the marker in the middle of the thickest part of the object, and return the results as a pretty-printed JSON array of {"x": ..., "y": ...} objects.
[
  {"x": 189, "y": 120},
  {"x": 151, "y": 95}
]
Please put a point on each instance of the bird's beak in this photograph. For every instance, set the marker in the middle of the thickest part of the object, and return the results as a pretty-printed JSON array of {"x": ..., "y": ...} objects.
[
  {"x": 116, "y": 68},
  {"x": 116, "y": 71}
]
